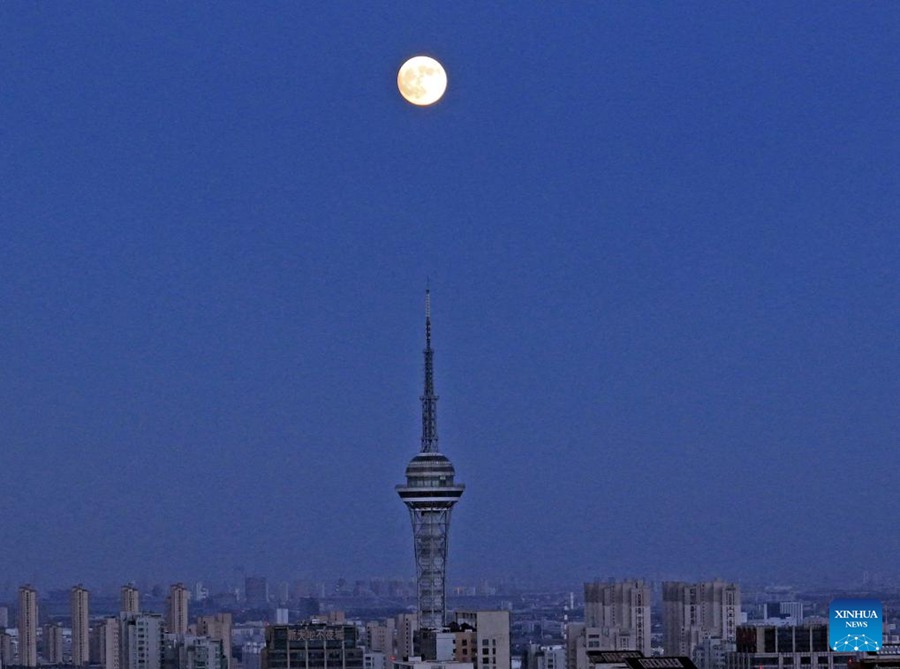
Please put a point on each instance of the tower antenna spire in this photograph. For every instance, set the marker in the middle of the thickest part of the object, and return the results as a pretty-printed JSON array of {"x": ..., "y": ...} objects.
[{"x": 429, "y": 399}]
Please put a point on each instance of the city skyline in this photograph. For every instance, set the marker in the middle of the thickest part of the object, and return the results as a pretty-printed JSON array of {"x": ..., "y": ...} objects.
[
  {"x": 702, "y": 625},
  {"x": 663, "y": 245}
]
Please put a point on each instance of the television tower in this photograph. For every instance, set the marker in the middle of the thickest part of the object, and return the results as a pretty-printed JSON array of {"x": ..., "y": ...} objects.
[{"x": 429, "y": 494}]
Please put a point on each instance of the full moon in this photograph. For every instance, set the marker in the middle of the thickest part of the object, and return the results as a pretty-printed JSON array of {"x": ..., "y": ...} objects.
[{"x": 422, "y": 80}]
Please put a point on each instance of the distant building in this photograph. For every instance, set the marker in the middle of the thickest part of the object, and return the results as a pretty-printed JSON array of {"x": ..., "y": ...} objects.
[
  {"x": 52, "y": 639},
  {"x": 256, "y": 592},
  {"x": 792, "y": 610},
  {"x": 694, "y": 611},
  {"x": 4, "y": 618},
  {"x": 284, "y": 593},
  {"x": 131, "y": 599},
  {"x": 27, "y": 626},
  {"x": 312, "y": 646},
  {"x": 617, "y": 616},
  {"x": 177, "y": 609},
  {"x": 80, "y": 627},
  {"x": 201, "y": 592}
]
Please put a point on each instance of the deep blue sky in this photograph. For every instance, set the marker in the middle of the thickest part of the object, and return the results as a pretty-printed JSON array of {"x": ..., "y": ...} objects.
[{"x": 664, "y": 249}]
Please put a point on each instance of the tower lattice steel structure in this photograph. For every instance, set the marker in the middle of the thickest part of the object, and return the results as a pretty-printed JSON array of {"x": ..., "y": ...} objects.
[{"x": 430, "y": 493}]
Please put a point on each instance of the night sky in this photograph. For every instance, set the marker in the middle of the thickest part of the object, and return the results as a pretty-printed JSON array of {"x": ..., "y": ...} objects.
[{"x": 663, "y": 245}]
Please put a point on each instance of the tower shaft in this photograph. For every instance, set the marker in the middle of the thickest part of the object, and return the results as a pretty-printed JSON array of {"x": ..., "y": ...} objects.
[{"x": 430, "y": 533}]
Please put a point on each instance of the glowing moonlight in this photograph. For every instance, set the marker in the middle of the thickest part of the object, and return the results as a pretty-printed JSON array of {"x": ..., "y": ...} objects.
[{"x": 422, "y": 80}]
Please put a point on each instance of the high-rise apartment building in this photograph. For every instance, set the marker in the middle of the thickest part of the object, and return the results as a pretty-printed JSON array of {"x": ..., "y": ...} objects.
[
  {"x": 141, "y": 641},
  {"x": 218, "y": 628},
  {"x": 108, "y": 647},
  {"x": 52, "y": 641},
  {"x": 80, "y": 628},
  {"x": 430, "y": 493},
  {"x": 617, "y": 616},
  {"x": 177, "y": 609},
  {"x": 27, "y": 626},
  {"x": 693, "y": 611},
  {"x": 131, "y": 599}
]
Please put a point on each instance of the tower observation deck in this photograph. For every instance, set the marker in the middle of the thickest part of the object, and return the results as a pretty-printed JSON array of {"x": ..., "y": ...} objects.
[{"x": 430, "y": 493}]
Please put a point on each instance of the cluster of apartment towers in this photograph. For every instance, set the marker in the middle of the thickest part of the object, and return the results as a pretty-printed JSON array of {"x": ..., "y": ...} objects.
[
  {"x": 131, "y": 640},
  {"x": 136, "y": 639},
  {"x": 617, "y": 617}
]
